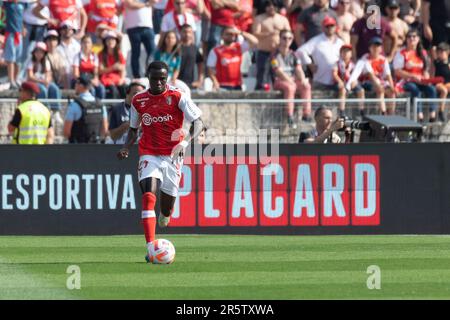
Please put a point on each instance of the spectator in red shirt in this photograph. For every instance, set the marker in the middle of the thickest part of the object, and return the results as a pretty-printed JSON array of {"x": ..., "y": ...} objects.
[
  {"x": 411, "y": 65},
  {"x": 224, "y": 61},
  {"x": 71, "y": 11},
  {"x": 222, "y": 15},
  {"x": 112, "y": 66},
  {"x": 102, "y": 11},
  {"x": 86, "y": 63}
]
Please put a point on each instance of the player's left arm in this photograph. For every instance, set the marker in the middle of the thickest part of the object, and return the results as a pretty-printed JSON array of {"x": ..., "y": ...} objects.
[{"x": 192, "y": 113}]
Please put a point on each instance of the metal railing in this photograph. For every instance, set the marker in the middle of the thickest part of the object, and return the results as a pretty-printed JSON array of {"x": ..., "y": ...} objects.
[{"x": 238, "y": 120}]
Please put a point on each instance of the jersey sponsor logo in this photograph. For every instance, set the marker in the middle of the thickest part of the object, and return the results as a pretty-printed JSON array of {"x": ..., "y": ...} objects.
[
  {"x": 147, "y": 119},
  {"x": 227, "y": 61}
]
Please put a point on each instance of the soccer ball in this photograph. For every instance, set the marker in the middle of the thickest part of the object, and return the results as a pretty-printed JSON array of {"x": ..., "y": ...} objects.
[{"x": 161, "y": 251}]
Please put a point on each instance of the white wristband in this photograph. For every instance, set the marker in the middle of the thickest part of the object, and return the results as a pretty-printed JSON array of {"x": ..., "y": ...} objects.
[{"x": 184, "y": 143}]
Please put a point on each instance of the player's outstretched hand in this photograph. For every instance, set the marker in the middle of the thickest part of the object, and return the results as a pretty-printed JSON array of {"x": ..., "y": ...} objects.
[{"x": 123, "y": 153}]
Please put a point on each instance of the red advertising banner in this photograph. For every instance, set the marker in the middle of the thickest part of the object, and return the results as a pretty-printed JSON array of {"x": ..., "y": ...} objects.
[
  {"x": 332, "y": 190},
  {"x": 212, "y": 195}
]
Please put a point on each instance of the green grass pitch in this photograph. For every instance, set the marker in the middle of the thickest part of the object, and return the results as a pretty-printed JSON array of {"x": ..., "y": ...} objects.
[{"x": 227, "y": 267}]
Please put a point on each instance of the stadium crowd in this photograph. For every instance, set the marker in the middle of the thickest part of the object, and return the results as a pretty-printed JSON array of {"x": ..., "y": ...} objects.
[{"x": 387, "y": 47}]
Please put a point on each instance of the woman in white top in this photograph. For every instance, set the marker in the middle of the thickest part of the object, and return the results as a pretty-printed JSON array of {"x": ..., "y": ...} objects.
[{"x": 39, "y": 72}]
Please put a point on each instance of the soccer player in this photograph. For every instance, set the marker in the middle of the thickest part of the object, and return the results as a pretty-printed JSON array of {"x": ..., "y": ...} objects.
[{"x": 160, "y": 110}]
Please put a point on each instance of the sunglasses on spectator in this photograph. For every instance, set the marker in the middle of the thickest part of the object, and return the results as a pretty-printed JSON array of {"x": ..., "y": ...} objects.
[
  {"x": 179, "y": 3},
  {"x": 287, "y": 38},
  {"x": 344, "y": 2},
  {"x": 412, "y": 36}
]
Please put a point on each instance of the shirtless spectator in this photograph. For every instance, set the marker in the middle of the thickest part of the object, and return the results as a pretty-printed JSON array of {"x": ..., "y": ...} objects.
[
  {"x": 398, "y": 25},
  {"x": 71, "y": 11},
  {"x": 363, "y": 31},
  {"x": 267, "y": 29},
  {"x": 309, "y": 23},
  {"x": 345, "y": 19}
]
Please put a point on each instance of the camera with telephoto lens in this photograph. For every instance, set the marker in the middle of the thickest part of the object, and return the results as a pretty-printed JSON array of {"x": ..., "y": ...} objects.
[{"x": 354, "y": 124}]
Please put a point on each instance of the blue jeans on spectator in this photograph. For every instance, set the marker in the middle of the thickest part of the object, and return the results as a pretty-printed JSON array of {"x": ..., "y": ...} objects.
[
  {"x": 137, "y": 36},
  {"x": 50, "y": 92},
  {"x": 157, "y": 19},
  {"x": 416, "y": 90},
  {"x": 34, "y": 34},
  {"x": 99, "y": 91},
  {"x": 261, "y": 68}
]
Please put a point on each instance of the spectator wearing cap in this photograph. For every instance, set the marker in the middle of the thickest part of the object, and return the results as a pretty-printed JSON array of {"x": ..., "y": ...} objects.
[
  {"x": 411, "y": 66},
  {"x": 86, "y": 118},
  {"x": 139, "y": 27},
  {"x": 345, "y": 19},
  {"x": 399, "y": 26},
  {"x": 373, "y": 70},
  {"x": 321, "y": 53},
  {"x": 13, "y": 39},
  {"x": 366, "y": 28},
  {"x": 86, "y": 63},
  {"x": 70, "y": 11},
  {"x": 442, "y": 69},
  {"x": 31, "y": 123},
  {"x": 68, "y": 47},
  {"x": 112, "y": 66},
  {"x": 224, "y": 61},
  {"x": 119, "y": 120},
  {"x": 35, "y": 29},
  {"x": 309, "y": 22},
  {"x": 39, "y": 71},
  {"x": 222, "y": 16},
  {"x": 56, "y": 60},
  {"x": 289, "y": 76},
  {"x": 341, "y": 75},
  {"x": 267, "y": 29}
]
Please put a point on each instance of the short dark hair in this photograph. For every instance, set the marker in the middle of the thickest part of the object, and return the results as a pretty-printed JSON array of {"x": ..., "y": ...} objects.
[
  {"x": 267, "y": 3},
  {"x": 185, "y": 26},
  {"x": 157, "y": 65},
  {"x": 320, "y": 110},
  {"x": 134, "y": 84},
  {"x": 443, "y": 46}
]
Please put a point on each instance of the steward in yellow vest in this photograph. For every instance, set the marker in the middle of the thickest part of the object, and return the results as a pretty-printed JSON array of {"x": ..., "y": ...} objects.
[{"x": 31, "y": 123}]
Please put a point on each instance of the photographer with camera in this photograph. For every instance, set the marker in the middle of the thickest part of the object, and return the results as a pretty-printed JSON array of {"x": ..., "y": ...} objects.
[{"x": 325, "y": 130}]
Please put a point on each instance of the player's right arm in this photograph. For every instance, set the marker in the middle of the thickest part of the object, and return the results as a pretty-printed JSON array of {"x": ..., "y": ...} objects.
[{"x": 132, "y": 134}]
